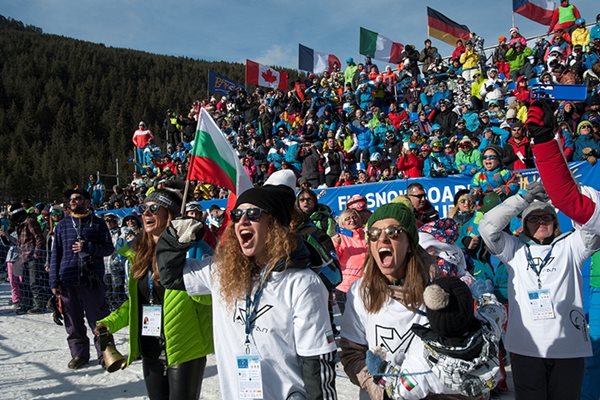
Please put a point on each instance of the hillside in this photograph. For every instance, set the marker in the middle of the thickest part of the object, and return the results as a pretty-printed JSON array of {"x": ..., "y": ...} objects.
[{"x": 68, "y": 108}]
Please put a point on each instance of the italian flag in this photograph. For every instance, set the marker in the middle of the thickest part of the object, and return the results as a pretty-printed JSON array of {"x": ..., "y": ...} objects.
[
  {"x": 373, "y": 45},
  {"x": 214, "y": 160}
]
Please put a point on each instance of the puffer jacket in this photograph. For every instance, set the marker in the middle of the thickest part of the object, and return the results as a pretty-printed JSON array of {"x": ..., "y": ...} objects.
[{"x": 187, "y": 324}]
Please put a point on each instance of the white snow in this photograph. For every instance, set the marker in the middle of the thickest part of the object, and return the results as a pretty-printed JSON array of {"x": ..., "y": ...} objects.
[{"x": 34, "y": 356}]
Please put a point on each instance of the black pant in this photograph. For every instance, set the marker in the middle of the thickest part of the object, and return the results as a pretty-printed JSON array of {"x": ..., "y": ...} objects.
[
  {"x": 32, "y": 294},
  {"x": 547, "y": 378},
  {"x": 177, "y": 382}
]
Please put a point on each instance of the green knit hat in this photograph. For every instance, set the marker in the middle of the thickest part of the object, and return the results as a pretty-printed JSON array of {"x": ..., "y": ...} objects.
[{"x": 400, "y": 213}]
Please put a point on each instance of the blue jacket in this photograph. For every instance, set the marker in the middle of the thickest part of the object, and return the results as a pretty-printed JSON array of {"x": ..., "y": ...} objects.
[
  {"x": 70, "y": 269},
  {"x": 581, "y": 143},
  {"x": 363, "y": 136},
  {"x": 437, "y": 161},
  {"x": 595, "y": 32}
]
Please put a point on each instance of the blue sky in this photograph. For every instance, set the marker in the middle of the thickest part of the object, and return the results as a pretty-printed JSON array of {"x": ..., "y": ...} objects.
[{"x": 266, "y": 31}]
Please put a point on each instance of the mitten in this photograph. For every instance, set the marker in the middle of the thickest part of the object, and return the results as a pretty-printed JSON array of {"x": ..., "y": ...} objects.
[
  {"x": 187, "y": 229},
  {"x": 535, "y": 191},
  {"x": 540, "y": 121}
]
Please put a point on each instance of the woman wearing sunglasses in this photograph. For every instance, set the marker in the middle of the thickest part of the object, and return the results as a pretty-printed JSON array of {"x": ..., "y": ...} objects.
[
  {"x": 171, "y": 331},
  {"x": 547, "y": 334},
  {"x": 494, "y": 177},
  {"x": 273, "y": 337},
  {"x": 383, "y": 305}
]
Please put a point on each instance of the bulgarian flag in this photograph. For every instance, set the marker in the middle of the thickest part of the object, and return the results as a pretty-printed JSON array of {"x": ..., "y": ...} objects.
[
  {"x": 214, "y": 160},
  {"x": 261, "y": 75},
  {"x": 373, "y": 45}
]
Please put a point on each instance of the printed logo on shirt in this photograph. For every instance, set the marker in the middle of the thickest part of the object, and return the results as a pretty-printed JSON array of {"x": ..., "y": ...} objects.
[
  {"x": 579, "y": 322},
  {"x": 390, "y": 339},
  {"x": 240, "y": 316},
  {"x": 537, "y": 262}
]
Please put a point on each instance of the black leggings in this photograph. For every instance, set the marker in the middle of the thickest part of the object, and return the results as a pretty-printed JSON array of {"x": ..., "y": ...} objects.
[
  {"x": 180, "y": 382},
  {"x": 546, "y": 378}
]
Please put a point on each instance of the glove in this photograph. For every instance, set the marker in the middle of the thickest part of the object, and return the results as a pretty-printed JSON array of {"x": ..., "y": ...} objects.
[
  {"x": 540, "y": 121},
  {"x": 187, "y": 230},
  {"x": 54, "y": 305},
  {"x": 535, "y": 191},
  {"x": 376, "y": 365},
  {"x": 590, "y": 155},
  {"x": 100, "y": 329}
]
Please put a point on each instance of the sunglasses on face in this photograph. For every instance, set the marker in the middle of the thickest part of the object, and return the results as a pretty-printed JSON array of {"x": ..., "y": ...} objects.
[
  {"x": 537, "y": 219},
  {"x": 391, "y": 232},
  {"x": 515, "y": 129},
  {"x": 418, "y": 196},
  {"x": 253, "y": 214},
  {"x": 303, "y": 199},
  {"x": 490, "y": 157},
  {"x": 152, "y": 208}
]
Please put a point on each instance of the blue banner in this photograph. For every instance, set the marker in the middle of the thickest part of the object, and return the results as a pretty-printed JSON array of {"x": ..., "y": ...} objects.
[
  {"x": 218, "y": 83},
  {"x": 440, "y": 191}
]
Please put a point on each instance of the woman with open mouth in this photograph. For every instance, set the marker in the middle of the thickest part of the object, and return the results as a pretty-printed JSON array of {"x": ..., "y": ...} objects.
[{"x": 273, "y": 337}]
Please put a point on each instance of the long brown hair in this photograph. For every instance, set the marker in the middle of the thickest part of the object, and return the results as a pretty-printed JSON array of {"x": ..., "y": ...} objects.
[
  {"x": 375, "y": 290},
  {"x": 236, "y": 272},
  {"x": 145, "y": 255}
]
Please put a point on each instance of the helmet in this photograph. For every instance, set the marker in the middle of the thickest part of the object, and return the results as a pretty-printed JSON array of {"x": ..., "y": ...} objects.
[
  {"x": 193, "y": 206},
  {"x": 436, "y": 127},
  {"x": 580, "y": 21},
  {"x": 375, "y": 157}
]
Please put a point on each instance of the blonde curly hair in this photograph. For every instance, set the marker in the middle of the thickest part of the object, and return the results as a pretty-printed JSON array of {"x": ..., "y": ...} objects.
[{"x": 237, "y": 272}]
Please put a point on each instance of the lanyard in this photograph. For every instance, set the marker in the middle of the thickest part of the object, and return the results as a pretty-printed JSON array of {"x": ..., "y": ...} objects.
[
  {"x": 538, "y": 271},
  {"x": 150, "y": 287},
  {"x": 252, "y": 309}
]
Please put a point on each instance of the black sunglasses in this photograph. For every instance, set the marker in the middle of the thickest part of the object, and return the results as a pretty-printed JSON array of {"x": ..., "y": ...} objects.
[
  {"x": 153, "y": 208},
  {"x": 418, "y": 196},
  {"x": 536, "y": 219},
  {"x": 392, "y": 232},
  {"x": 253, "y": 214},
  {"x": 489, "y": 157}
]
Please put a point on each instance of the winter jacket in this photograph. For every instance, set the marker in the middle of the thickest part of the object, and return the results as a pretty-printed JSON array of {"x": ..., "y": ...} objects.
[
  {"x": 321, "y": 217},
  {"x": 582, "y": 142},
  {"x": 352, "y": 253},
  {"x": 71, "y": 269},
  {"x": 486, "y": 181},
  {"x": 447, "y": 120},
  {"x": 467, "y": 161},
  {"x": 439, "y": 164},
  {"x": 187, "y": 324},
  {"x": 580, "y": 36},
  {"x": 30, "y": 240},
  {"x": 410, "y": 165},
  {"x": 511, "y": 158},
  {"x": 595, "y": 32},
  {"x": 516, "y": 60},
  {"x": 469, "y": 59}
]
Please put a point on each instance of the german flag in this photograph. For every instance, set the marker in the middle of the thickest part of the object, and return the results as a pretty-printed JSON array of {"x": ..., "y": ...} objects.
[{"x": 443, "y": 28}]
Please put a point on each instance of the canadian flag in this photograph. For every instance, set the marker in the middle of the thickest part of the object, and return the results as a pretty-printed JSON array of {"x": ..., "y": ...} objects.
[{"x": 261, "y": 75}]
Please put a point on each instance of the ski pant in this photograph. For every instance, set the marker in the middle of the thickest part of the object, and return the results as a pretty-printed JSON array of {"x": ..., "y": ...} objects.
[
  {"x": 32, "y": 288},
  {"x": 81, "y": 302},
  {"x": 546, "y": 378},
  {"x": 177, "y": 382},
  {"x": 15, "y": 283},
  {"x": 591, "y": 383}
]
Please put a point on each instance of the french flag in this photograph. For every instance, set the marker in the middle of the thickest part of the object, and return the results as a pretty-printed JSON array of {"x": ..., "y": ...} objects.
[
  {"x": 539, "y": 11},
  {"x": 314, "y": 61}
]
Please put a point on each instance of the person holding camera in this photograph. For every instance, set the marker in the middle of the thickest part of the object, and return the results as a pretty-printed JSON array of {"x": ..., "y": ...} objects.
[{"x": 81, "y": 241}]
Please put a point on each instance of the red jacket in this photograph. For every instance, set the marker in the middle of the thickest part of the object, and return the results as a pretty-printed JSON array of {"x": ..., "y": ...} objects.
[
  {"x": 410, "y": 165},
  {"x": 397, "y": 117},
  {"x": 141, "y": 138}
]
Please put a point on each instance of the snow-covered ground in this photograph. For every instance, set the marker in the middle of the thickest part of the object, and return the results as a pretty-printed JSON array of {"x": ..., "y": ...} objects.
[{"x": 34, "y": 357}]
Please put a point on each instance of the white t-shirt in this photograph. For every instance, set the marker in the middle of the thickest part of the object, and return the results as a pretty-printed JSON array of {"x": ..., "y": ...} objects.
[
  {"x": 390, "y": 329},
  {"x": 565, "y": 335},
  {"x": 292, "y": 320}
]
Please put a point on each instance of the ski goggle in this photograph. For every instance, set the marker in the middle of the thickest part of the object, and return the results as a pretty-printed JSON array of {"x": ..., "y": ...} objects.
[
  {"x": 253, "y": 214},
  {"x": 153, "y": 208},
  {"x": 392, "y": 232}
]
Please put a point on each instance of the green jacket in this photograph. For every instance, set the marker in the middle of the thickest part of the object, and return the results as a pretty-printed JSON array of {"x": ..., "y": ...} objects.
[
  {"x": 595, "y": 270},
  {"x": 517, "y": 60},
  {"x": 187, "y": 324}
]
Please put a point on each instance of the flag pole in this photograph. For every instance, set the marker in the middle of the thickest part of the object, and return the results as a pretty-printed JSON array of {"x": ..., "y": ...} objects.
[
  {"x": 513, "y": 19},
  {"x": 185, "y": 194}
]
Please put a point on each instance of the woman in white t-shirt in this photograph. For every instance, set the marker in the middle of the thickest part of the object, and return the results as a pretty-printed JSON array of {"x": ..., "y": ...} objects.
[
  {"x": 383, "y": 305},
  {"x": 273, "y": 337},
  {"x": 547, "y": 334}
]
